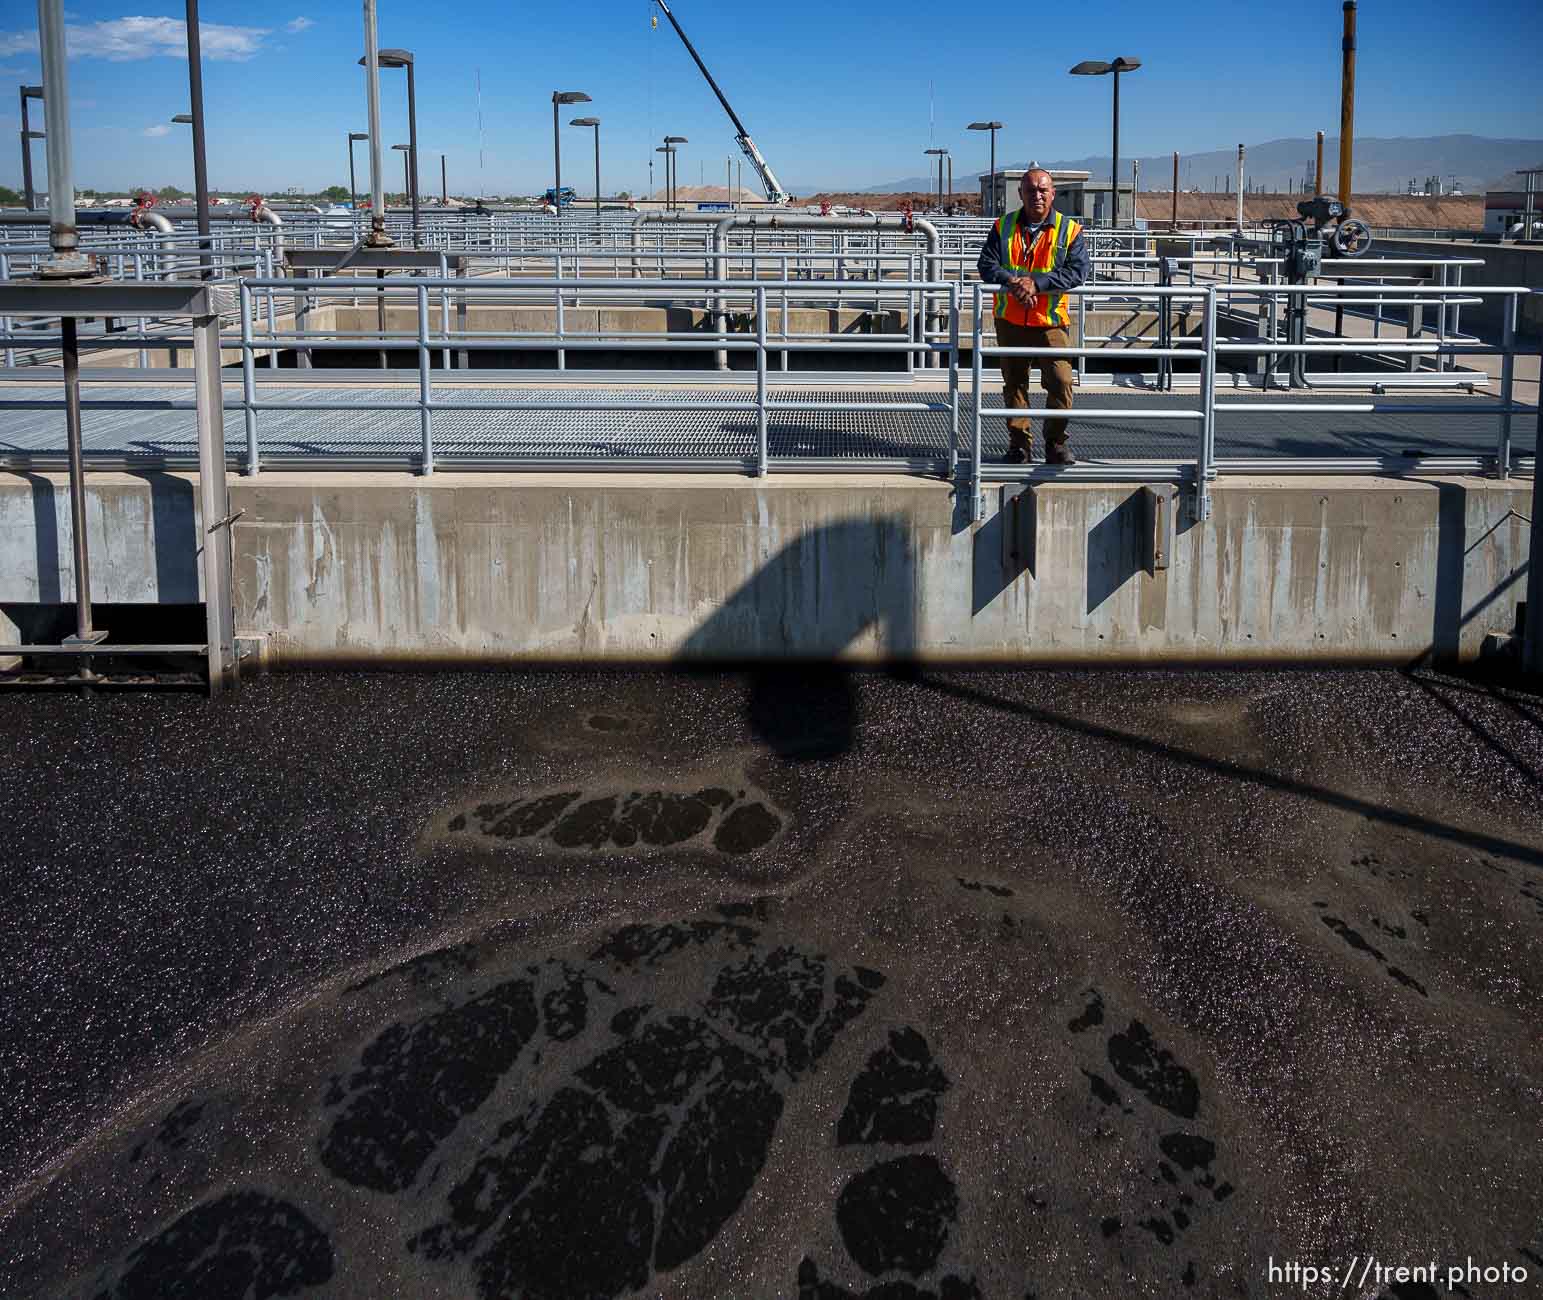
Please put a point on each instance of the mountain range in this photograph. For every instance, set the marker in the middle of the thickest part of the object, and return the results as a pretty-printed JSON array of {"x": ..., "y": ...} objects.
[{"x": 1382, "y": 166}]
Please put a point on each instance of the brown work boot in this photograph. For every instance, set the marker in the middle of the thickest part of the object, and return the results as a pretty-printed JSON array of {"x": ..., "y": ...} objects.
[
  {"x": 1020, "y": 447},
  {"x": 1058, "y": 453}
]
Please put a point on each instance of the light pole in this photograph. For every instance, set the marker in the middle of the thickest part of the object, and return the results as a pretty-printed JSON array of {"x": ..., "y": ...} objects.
[
  {"x": 404, "y": 59},
  {"x": 27, "y": 136},
  {"x": 594, "y": 122},
  {"x": 353, "y": 185},
  {"x": 993, "y": 127},
  {"x": 667, "y": 150},
  {"x": 561, "y": 97},
  {"x": 407, "y": 180},
  {"x": 1093, "y": 68},
  {"x": 938, "y": 154},
  {"x": 674, "y": 174}
]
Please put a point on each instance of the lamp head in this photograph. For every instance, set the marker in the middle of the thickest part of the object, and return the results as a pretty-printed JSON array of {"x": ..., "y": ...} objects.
[
  {"x": 985, "y": 126},
  {"x": 676, "y": 139},
  {"x": 390, "y": 59},
  {"x": 569, "y": 97},
  {"x": 184, "y": 119},
  {"x": 585, "y": 121},
  {"x": 1091, "y": 68},
  {"x": 357, "y": 135}
]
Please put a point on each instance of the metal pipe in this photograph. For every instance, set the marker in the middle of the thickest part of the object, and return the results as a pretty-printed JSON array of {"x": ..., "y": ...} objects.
[
  {"x": 1532, "y": 633},
  {"x": 27, "y": 136},
  {"x": 156, "y": 222},
  {"x": 377, "y": 237},
  {"x": 1347, "y": 104},
  {"x": 1318, "y": 167},
  {"x": 77, "y": 468},
  {"x": 196, "y": 108},
  {"x": 63, "y": 238},
  {"x": 1240, "y": 190},
  {"x": 264, "y": 213},
  {"x": 412, "y": 145},
  {"x": 1173, "y": 221}
]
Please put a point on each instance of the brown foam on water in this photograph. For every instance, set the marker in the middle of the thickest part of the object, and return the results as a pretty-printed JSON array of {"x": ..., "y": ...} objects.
[{"x": 736, "y": 818}]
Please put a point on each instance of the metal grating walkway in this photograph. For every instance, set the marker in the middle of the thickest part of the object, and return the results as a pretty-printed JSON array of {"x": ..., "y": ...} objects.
[{"x": 154, "y": 423}]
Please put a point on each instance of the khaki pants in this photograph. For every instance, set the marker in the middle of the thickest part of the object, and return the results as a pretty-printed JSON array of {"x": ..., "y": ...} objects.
[{"x": 1055, "y": 373}]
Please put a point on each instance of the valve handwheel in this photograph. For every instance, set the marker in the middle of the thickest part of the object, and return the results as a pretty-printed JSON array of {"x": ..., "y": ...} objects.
[{"x": 1351, "y": 238}]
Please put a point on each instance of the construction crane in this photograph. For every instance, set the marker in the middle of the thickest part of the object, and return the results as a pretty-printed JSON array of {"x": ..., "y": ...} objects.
[{"x": 774, "y": 191}]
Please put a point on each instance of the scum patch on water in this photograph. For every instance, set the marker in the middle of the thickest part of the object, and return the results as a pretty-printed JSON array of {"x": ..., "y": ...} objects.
[{"x": 732, "y": 817}]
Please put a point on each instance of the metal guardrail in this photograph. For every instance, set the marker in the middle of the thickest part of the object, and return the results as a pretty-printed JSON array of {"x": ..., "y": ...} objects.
[{"x": 962, "y": 318}]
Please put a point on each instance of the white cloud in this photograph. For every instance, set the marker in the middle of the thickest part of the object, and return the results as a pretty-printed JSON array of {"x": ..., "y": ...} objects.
[
  {"x": 125, "y": 40},
  {"x": 159, "y": 129},
  {"x": 299, "y": 24}
]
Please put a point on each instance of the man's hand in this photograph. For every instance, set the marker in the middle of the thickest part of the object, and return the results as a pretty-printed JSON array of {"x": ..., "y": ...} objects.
[{"x": 1022, "y": 288}]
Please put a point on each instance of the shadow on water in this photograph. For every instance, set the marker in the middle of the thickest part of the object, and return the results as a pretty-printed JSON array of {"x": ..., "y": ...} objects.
[
  {"x": 814, "y": 600},
  {"x": 1235, "y": 771}
]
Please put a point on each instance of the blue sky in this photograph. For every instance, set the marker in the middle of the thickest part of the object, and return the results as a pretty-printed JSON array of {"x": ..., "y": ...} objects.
[{"x": 846, "y": 93}]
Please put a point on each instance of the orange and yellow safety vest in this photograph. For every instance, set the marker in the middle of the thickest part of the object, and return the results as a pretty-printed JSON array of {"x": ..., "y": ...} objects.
[{"x": 1019, "y": 257}]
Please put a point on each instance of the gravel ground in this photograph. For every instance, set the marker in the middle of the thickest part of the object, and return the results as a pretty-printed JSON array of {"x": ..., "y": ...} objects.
[{"x": 809, "y": 984}]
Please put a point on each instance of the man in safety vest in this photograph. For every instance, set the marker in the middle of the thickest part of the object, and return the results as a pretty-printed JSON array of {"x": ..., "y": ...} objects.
[{"x": 1037, "y": 254}]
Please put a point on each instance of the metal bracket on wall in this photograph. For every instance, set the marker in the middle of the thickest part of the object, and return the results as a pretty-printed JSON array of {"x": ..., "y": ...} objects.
[{"x": 1157, "y": 537}]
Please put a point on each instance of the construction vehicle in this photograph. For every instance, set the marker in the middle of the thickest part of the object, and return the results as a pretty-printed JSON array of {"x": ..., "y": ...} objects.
[
  {"x": 555, "y": 199},
  {"x": 774, "y": 191}
]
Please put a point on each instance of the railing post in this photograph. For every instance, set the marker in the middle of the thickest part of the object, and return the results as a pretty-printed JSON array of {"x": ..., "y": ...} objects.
[
  {"x": 5, "y": 321},
  {"x": 1205, "y": 464},
  {"x": 953, "y": 370},
  {"x": 248, "y": 377},
  {"x": 214, "y": 503},
  {"x": 977, "y": 365},
  {"x": 444, "y": 312},
  {"x": 425, "y": 372},
  {"x": 562, "y": 358},
  {"x": 1507, "y": 386},
  {"x": 761, "y": 457}
]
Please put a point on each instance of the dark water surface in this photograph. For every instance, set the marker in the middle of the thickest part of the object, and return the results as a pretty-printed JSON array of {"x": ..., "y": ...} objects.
[{"x": 771, "y": 985}]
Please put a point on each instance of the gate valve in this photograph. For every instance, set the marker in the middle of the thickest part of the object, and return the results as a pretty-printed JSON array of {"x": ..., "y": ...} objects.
[
  {"x": 909, "y": 218},
  {"x": 143, "y": 202},
  {"x": 254, "y": 203},
  {"x": 824, "y": 208}
]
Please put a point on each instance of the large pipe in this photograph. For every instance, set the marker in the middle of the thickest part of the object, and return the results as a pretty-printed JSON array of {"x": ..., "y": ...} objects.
[
  {"x": 62, "y": 236},
  {"x": 1318, "y": 171},
  {"x": 264, "y": 213},
  {"x": 1532, "y": 631},
  {"x": 1173, "y": 221},
  {"x": 377, "y": 238},
  {"x": 141, "y": 219},
  {"x": 1347, "y": 104},
  {"x": 196, "y": 108}
]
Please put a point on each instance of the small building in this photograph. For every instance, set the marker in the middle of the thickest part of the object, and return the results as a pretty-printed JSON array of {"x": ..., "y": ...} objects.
[
  {"x": 1076, "y": 194},
  {"x": 1504, "y": 211}
]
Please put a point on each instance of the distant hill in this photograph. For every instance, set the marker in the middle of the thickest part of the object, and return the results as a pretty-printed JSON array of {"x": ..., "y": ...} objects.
[{"x": 1381, "y": 165}]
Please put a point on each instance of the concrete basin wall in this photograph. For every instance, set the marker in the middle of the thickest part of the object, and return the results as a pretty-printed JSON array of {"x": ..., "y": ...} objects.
[{"x": 496, "y": 568}]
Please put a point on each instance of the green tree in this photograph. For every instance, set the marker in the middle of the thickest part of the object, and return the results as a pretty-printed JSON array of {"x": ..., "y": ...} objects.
[
  {"x": 9, "y": 197},
  {"x": 335, "y": 194},
  {"x": 171, "y": 192}
]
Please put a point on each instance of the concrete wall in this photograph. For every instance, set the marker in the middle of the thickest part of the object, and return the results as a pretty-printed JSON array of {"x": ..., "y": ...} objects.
[{"x": 511, "y": 568}]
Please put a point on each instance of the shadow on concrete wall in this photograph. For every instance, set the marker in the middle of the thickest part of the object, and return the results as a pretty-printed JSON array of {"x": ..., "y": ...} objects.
[
  {"x": 1004, "y": 546},
  {"x": 1116, "y": 551},
  {"x": 812, "y": 600}
]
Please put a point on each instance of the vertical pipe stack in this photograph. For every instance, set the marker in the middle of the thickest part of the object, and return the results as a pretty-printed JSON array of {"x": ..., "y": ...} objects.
[
  {"x": 1174, "y": 220},
  {"x": 377, "y": 237},
  {"x": 1347, "y": 104},
  {"x": 1240, "y": 189},
  {"x": 62, "y": 235},
  {"x": 196, "y": 109},
  {"x": 1318, "y": 172}
]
